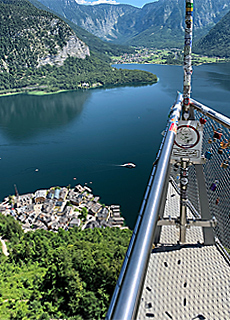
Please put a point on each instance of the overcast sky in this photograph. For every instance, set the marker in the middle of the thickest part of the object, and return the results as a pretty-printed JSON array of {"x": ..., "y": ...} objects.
[{"x": 135, "y": 3}]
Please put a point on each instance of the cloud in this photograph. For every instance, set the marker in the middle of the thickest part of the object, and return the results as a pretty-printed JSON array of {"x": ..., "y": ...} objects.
[
  {"x": 97, "y": 2},
  {"x": 81, "y": 1},
  {"x": 104, "y": 1}
]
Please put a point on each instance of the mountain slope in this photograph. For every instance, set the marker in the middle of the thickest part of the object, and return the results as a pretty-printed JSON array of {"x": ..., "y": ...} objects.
[
  {"x": 156, "y": 24},
  {"x": 217, "y": 41},
  {"x": 31, "y": 38},
  {"x": 39, "y": 51},
  {"x": 101, "y": 20},
  {"x": 101, "y": 48}
]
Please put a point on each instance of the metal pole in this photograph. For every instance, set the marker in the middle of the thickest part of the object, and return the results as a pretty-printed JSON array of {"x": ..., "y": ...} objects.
[
  {"x": 186, "y": 113},
  {"x": 125, "y": 304},
  {"x": 158, "y": 229},
  {"x": 187, "y": 58},
  {"x": 208, "y": 233},
  {"x": 183, "y": 198}
]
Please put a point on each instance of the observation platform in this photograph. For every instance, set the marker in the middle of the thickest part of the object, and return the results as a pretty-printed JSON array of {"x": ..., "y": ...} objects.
[
  {"x": 185, "y": 281},
  {"x": 176, "y": 266}
]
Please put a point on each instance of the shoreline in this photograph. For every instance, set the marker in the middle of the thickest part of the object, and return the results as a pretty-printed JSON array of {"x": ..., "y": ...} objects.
[
  {"x": 34, "y": 93},
  {"x": 165, "y": 56},
  {"x": 94, "y": 86},
  {"x": 180, "y": 65}
]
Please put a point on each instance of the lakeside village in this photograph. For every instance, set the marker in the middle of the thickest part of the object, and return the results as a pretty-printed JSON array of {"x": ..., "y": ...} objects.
[
  {"x": 61, "y": 208},
  {"x": 172, "y": 56}
]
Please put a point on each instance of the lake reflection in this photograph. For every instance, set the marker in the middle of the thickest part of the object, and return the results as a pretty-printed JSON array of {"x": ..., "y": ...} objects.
[{"x": 23, "y": 116}]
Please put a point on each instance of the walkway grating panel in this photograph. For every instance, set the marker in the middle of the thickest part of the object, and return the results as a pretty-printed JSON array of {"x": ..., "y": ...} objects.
[{"x": 188, "y": 281}]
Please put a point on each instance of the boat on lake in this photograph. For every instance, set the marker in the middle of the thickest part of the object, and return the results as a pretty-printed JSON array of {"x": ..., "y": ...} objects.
[{"x": 129, "y": 165}]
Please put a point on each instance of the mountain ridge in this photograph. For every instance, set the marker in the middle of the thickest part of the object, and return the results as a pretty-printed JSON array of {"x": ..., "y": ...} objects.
[
  {"x": 101, "y": 48},
  {"x": 125, "y": 24},
  {"x": 217, "y": 41}
]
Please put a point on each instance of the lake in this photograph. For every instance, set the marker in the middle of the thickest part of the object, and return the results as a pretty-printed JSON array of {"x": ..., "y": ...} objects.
[{"x": 87, "y": 134}]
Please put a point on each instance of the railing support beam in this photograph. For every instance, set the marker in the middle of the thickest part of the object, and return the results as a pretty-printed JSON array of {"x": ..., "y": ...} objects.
[
  {"x": 204, "y": 205},
  {"x": 183, "y": 198}
]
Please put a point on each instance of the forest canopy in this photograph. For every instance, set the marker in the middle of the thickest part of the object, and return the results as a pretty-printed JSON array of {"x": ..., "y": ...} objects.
[
  {"x": 71, "y": 76},
  {"x": 68, "y": 274}
]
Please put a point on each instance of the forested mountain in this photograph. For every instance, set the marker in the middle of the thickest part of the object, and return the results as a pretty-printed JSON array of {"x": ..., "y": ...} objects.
[
  {"x": 217, "y": 41},
  {"x": 158, "y": 24},
  {"x": 31, "y": 38},
  {"x": 102, "y": 48},
  {"x": 39, "y": 51},
  {"x": 64, "y": 275}
]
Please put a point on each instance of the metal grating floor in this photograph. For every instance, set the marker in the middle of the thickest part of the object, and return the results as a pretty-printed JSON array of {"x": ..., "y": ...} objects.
[{"x": 185, "y": 282}]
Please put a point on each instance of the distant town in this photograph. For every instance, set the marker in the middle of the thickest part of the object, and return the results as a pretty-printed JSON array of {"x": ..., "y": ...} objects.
[
  {"x": 172, "y": 56},
  {"x": 61, "y": 207}
]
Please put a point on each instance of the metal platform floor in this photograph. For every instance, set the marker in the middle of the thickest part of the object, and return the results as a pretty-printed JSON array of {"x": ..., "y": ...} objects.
[{"x": 188, "y": 281}]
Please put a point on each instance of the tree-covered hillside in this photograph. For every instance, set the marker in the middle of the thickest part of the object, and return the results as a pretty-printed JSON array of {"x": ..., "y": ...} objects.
[
  {"x": 101, "y": 48},
  {"x": 30, "y": 36},
  {"x": 217, "y": 41},
  {"x": 74, "y": 74},
  {"x": 39, "y": 51},
  {"x": 65, "y": 275}
]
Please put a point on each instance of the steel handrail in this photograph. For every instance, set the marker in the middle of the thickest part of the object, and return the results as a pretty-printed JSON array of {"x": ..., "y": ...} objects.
[
  {"x": 135, "y": 231},
  {"x": 125, "y": 301},
  {"x": 215, "y": 115}
]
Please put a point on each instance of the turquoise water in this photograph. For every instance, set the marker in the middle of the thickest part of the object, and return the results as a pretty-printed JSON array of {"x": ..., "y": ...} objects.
[{"x": 88, "y": 134}]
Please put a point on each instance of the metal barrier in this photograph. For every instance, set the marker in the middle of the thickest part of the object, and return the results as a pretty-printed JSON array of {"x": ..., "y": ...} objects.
[
  {"x": 216, "y": 151},
  {"x": 213, "y": 175},
  {"x": 203, "y": 187},
  {"x": 212, "y": 114},
  {"x": 127, "y": 293}
]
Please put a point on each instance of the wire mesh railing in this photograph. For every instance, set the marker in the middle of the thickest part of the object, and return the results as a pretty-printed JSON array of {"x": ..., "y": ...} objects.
[
  {"x": 216, "y": 170},
  {"x": 216, "y": 150}
]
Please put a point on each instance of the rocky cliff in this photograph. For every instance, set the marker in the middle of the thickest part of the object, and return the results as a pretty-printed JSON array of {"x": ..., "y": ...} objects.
[
  {"x": 73, "y": 48},
  {"x": 31, "y": 37}
]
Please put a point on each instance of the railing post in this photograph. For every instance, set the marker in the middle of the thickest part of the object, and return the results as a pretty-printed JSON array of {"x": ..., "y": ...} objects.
[
  {"x": 204, "y": 204},
  {"x": 183, "y": 198}
]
